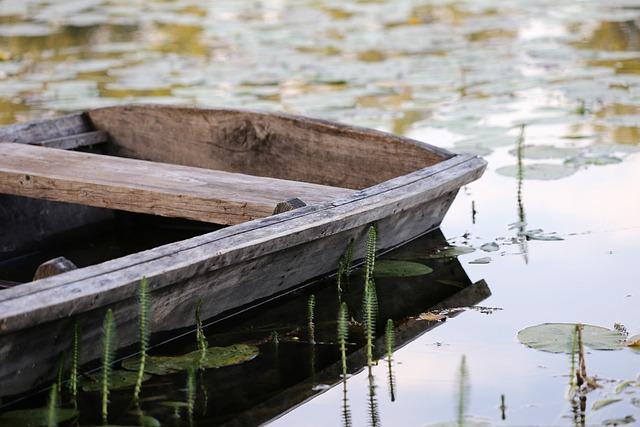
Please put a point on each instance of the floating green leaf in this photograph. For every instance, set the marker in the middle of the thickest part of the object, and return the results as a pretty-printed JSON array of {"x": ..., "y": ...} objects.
[
  {"x": 558, "y": 337},
  {"x": 119, "y": 380},
  {"x": 396, "y": 268},
  {"x": 450, "y": 252},
  {"x": 619, "y": 421},
  {"x": 602, "y": 403},
  {"x": 34, "y": 417},
  {"x": 483, "y": 260},
  {"x": 215, "y": 357},
  {"x": 623, "y": 385}
]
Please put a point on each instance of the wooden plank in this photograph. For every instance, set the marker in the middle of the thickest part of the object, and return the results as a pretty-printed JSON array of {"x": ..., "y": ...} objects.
[
  {"x": 75, "y": 141},
  {"x": 148, "y": 187},
  {"x": 264, "y": 144},
  {"x": 246, "y": 249},
  {"x": 28, "y": 133}
]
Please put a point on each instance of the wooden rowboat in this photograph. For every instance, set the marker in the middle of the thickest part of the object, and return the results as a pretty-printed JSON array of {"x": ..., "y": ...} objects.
[{"x": 274, "y": 200}]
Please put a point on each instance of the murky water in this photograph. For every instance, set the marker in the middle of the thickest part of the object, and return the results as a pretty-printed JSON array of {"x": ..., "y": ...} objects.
[{"x": 462, "y": 75}]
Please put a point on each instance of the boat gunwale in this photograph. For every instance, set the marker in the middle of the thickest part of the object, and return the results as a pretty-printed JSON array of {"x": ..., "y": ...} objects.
[
  {"x": 17, "y": 316},
  {"x": 84, "y": 124}
]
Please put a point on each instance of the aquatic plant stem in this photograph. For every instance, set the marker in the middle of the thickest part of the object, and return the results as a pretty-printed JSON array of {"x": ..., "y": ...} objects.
[
  {"x": 462, "y": 391},
  {"x": 108, "y": 333},
  {"x": 311, "y": 305},
  {"x": 75, "y": 360},
  {"x": 390, "y": 339},
  {"x": 143, "y": 322},
  {"x": 201, "y": 339},
  {"x": 52, "y": 406},
  {"x": 343, "y": 334}
]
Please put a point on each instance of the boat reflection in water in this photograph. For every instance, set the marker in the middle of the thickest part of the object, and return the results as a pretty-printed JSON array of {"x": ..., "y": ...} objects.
[{"x": 289, "y": 369}]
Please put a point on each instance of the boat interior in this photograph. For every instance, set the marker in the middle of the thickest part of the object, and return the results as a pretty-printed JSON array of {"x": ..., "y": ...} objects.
[{"x": 94, "y": 186}]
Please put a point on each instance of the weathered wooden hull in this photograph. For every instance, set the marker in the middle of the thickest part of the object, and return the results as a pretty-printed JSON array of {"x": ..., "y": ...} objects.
[{"x": 226, "y": 269}]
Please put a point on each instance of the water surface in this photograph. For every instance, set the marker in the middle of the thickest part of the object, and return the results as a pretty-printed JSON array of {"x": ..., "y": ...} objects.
[{"x": 465, "y": 75}]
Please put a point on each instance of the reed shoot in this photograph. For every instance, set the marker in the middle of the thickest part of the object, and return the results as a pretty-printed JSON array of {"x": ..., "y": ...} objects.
[
  {"x": 75, "y": 360},
  {"x": 462, "y": 391},
  {"x": 372, "y": 240},
  {"x": 143, "y": 322},
  {"x": 52, "y": 406},
  {"x": 191, "y": 393},
  {"x": 346, "y": 410},
  {"x": 201, "y": 339},
  {"x": 389, "y": 335},
  {"x": 311, "y": 305},
  {"x": 108, "y": 338},
  {"x": 343, "y": 335},
  {"x": 374, "y": 416},
  {"x": 370, "y": 299}
]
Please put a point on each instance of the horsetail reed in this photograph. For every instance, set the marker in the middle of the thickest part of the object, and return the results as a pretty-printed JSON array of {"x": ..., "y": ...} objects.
[
  {"x": 108, "y": 338},
  {"x": 60, "y": 371},
  {"x": 390, "y": 339},
  {"x": 343, "y": 334},
  {"x": 346, "y": 411},
  {"x": 344, "y": 269},
  {"x": 191, "y": 393},
  {"x": 369, "y": 313},
  {"x": 143, "y": 322},
  {"x": 370, "y": 299},
  {"x": 372, "y": 240},
  {"x": 201, "y": 340},
  {"x": 462, "y": 391},
  {"x": 389, "y": 335},
  {"x": 75, "y": 360},
  {"x": 374, "y": 416},
  {"x": 52, "y": 406},
  {"x": 311, "y": 305}
]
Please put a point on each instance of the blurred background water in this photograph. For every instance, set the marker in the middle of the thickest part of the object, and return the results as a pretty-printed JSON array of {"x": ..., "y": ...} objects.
[{"x": 470, "y": 76}]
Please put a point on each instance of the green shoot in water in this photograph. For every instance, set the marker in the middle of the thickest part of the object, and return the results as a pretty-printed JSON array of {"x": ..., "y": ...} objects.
[
  {"x": 143, "y": 322},
  {"x": 571, "y": 392},
  {"x": 52, "y": 406},
  {"x": 191, "y": 393},
  {"x": 462, "y": 391},
  {"x": 203, "y": 345},
  {"x": 61, "y": 363},
  {"x": 346, "y": 411},
  {"x": 311, "y": 305},
  {"x": 343, "y": 335},
  {"x": 389, "y": 335},
  {"x": 108, "y": 338},
  {"x": 374, "y": 416},
  {"x": 75, "y": 360},
  {"x": 344, "y": 270},
  {"x": 370, "y": 299}
]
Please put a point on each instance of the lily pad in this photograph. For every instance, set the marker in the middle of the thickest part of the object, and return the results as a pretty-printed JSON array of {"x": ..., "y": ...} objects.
[
  {"x": 34, "y": 417},
  {"x": 450, "y": 252},
  {"x": 538, "y": 171},
  {"x": 602, "y": 403},
  {"x": 539, "y": 234},
  {"x": 490, "y": 247},
  {"x": 558, "y": 337},
  {"x": 215, "y": 357},
  {"x": 619, "y": 421},
  {"x": 119, "y": 380},
  {"x": 483, "y": 260},
  {"x": 538, "y": 152},
  {"x": 592, "y": 160},
  {"x": 396, "y": 268}
]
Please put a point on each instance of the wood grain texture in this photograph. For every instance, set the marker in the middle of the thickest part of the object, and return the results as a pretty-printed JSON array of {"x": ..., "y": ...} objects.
[
  {"x": 189, "y": 260},
  {"x": 148, "y": 187},
  {"x": 220, "y": 289},
  {"x": 264, "y": 144},
  {"x": 75, "y": 141},
  {"x": 31, "y": 132}
]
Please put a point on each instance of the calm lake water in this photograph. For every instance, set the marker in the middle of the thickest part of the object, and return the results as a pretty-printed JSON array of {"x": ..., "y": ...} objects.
[{"x": 470, "y": 76}]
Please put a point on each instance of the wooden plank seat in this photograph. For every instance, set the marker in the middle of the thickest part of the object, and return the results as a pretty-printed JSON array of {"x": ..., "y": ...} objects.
[{"x": 148, "y": 187}]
